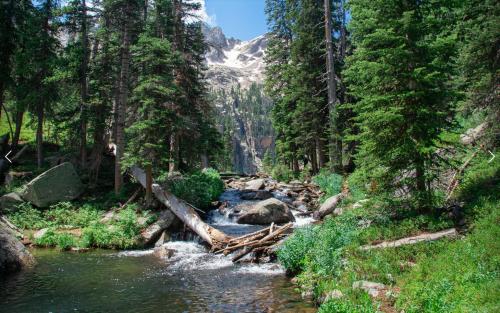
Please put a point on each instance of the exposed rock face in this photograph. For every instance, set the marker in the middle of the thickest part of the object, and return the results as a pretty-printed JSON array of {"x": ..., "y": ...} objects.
[
  {"x": 8, "y": 202},
  {"x": 267, "y": 212},
  {"x": 235, "y": 74},
  {"x": 60, "y": 183},
  {"x": 373, "y": 289},
  {"x": 13, "y": 255},
  {"x": 233, "y": 60}
]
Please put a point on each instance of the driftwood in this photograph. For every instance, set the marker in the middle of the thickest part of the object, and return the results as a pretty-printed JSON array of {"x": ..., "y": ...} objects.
[
  {"x": 259, "y": 241},
  {"x": 452, "y": 232}
]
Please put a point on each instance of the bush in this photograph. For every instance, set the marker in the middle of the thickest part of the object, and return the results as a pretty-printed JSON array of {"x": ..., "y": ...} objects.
[
  {"x": 319, "y": 249},
  {"x": 27, "y": 217},
  {"x": 199, "y": 189},
  {"x": 282, "y": 173},
  {"x": 294, "y": 253},
  {"x": 363, "y": 305},
  {"x": 63, "y": 241},
  {"x": 329, "y": 183}
]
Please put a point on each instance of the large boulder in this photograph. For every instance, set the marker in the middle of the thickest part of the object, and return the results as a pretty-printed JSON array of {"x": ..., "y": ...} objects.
[
  {"x": 266, "y": 212},
  {"x": 13, "y": 255},
  {"x": 9, "y": 202},
  {"x": 255, "y": 184},
  {"x": 255, "y": 195},
  {"x": 60, "y": 183}
]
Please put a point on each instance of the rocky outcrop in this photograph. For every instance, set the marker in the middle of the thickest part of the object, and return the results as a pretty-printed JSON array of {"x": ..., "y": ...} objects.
[
  {"x": 13, "y": 255},
  {"x": 266, "y": 212},
  {"x": 60, "y": 183},
  {"x": 9, "y": 202},
  {"x": 235, "y": 73}
]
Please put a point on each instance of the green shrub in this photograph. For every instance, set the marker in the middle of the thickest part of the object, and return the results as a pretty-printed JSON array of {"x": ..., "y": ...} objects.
[
  {"x": 294, "y": 252},
  {"x": 199, "y": 189},
  {"x": 363, "y": 305},
  {"x": 319, "y": 249},
  {"x": 329, "y": 183},
  {"x": 282, "y": 173},
  {"x": 27, "y": 217},
  {"x": 63, "y": 241}
]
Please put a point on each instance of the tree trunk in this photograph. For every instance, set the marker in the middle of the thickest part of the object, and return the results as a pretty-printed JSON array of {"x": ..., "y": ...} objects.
[
  {"x": 149, "y": 185},
  {"x": 84, "y": 87},
  {"x": 121, "y": 106},
  {"x": 174, "y": 153},
  {"x": 39, "y": 134},
  {"x": 335, "y": 152},
  {"x": 17, "y": 131},
  {"x": 204, "y": 161},
  {"x": 320, "y": 150}
]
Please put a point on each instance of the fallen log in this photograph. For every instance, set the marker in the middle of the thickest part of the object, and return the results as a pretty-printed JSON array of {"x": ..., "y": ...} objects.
[
  {"x": 452, "y": 232},
  {"x": 183, "y": 211}
]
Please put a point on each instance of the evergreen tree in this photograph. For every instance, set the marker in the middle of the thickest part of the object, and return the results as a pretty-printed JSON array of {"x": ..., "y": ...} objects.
[
  {"x": 154, "y": 60},
  {"x": 399, "y": 75},
  {"x": 479, "y": 62}
]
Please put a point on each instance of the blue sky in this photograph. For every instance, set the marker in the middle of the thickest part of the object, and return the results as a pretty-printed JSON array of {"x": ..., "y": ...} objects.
[{"x": 241, "y": 19}]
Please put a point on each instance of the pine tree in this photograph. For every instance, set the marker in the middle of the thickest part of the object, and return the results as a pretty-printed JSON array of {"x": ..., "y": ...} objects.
[
  {"x": 399, "y": 75},
  {"x": 154, "y": 60},
  {"x": 479, "y": 62}
]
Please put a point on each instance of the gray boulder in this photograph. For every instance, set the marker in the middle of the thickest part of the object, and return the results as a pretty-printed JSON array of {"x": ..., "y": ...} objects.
[
  {"x": 9, "y": 202},
  {"x": 255, "y": 184},
  {"x": 60, "y": 183},
  {"x": 13, "y": 255},
  {"x": 255, "y": 195},
  {"x": 266, "y": 212}
]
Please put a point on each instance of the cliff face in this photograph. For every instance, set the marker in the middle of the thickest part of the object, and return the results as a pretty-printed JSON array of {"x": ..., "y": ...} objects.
[{"x": 235, "y": 74}]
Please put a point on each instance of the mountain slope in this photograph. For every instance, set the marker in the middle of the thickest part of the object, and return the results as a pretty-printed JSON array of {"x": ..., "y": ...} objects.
[{"x": 235, "y": 72}]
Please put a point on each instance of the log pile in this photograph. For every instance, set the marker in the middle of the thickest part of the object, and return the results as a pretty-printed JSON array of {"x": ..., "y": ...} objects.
[{"x": 261, "y": 243}]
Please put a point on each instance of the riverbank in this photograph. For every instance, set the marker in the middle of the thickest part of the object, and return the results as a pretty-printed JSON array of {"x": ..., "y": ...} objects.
[{"x": 339, "y": 265}]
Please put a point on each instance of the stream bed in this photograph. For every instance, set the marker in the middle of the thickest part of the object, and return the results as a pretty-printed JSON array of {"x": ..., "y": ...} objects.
[{"x": 192, "y": 280}]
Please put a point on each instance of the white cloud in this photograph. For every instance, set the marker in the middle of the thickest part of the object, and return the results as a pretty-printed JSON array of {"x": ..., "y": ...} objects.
[{"x": 202, "y": 14}]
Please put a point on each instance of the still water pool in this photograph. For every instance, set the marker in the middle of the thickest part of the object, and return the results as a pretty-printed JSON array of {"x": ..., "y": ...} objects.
[{"x": 138, "y": 281}]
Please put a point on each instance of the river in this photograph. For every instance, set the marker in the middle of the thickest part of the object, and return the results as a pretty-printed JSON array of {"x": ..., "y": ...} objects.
[{"x": 137, "y": 281}]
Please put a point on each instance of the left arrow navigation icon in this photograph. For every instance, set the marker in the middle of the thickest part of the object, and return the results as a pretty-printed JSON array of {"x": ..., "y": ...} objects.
[{"x": 7, "y": 156}]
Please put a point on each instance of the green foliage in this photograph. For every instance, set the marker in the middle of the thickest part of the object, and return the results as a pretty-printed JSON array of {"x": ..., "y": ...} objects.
[
  {"x": 399, "y": 75},
  {"x": 319, "y": 249},
  {"x": 330, "y": 183},
  {"x": 199, "y": 189},
  {"x": 463, "y": 277},
  {"x": 63, "y": 241},
  {"x": 362, "y": 305},
  {"x": 282, "y": 173}
]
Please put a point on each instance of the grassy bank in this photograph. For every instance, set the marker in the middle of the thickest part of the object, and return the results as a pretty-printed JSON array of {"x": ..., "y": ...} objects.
[
  {"x": 80, "y": 223},
  {"x": 448, "y": 275}
]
